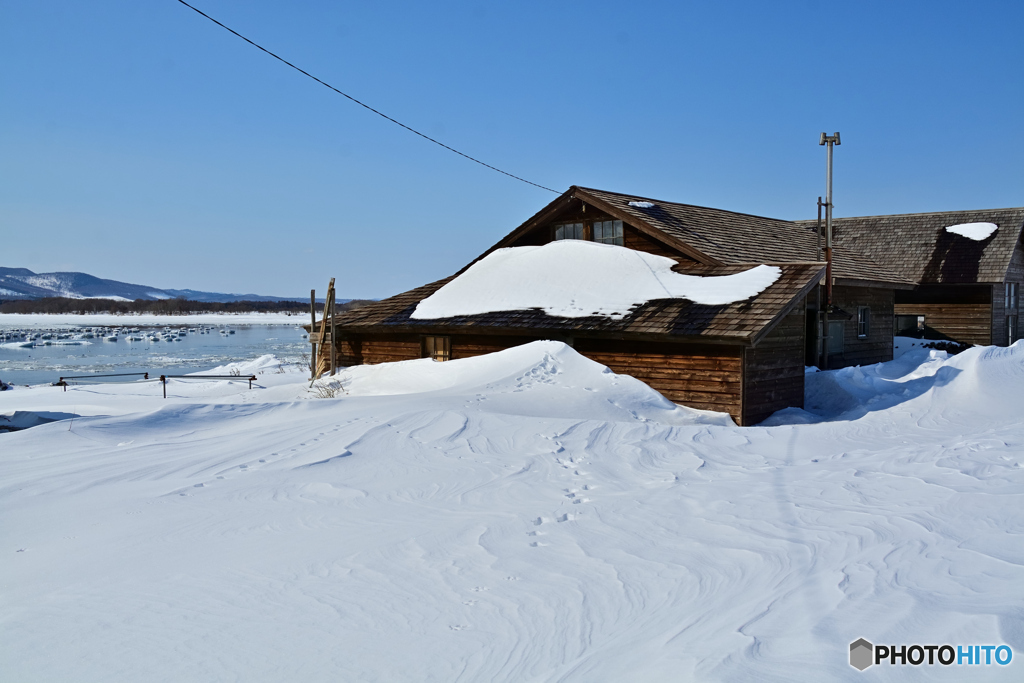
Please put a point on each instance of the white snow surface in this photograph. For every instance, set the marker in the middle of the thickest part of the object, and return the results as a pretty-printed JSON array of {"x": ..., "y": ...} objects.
[
  {"x": 524, "y": 516},
  {"x": 574, "y": 278},
  {"x": 642, "y": 205},
  {"x": 973, "y": 231}
]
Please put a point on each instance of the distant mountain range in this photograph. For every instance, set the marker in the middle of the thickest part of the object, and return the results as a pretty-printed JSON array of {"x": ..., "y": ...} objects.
[{"x": 22, "y": 283}]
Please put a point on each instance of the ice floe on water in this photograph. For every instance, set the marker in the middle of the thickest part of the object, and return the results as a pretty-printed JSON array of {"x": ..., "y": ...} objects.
[{"x": 521, "y": 516}]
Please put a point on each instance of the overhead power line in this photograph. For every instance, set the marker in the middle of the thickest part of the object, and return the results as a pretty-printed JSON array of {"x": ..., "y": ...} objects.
[{"x": 363, "y": 104}]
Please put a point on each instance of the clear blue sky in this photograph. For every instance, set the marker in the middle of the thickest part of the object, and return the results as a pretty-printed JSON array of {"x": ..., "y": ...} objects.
[{"x": 140, "y": 142}]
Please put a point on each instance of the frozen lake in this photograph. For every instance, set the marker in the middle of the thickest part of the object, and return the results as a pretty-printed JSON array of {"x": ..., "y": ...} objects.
[{"x": 170, "y": 349}]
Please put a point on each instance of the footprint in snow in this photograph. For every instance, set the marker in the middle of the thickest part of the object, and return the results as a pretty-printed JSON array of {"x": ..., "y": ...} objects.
[{"x": 457, "y": 627}]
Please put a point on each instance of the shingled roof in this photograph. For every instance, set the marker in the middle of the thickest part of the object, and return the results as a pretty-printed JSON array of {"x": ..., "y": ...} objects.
[
  {"x": 918, "y": 247},
  {"x": 718, "y": 237},
  {"x": 743, "y": 322}
]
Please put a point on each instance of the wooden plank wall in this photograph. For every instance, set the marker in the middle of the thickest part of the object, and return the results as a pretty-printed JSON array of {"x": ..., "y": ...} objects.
[
  {"x": 1014, "y": 273},
  {"x": 468, "y": 346},
  {"x": 631, "y": 237},
  {"x": 964, "y": 313},
  {"x": 707, "y": 377},
  {"x": 997, "y": 324},
  {"x": 877, "y": 346},
  {"x": 372, "y": 349},
  {"x": 773, "y": 371},
  {"x": 967, "y": 323}
]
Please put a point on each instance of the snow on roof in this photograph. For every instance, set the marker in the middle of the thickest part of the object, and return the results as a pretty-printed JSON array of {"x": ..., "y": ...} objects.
[
  {"x": 642, "y": 205},
  {"x": 973, "y": 231},
  {"x": 575, "y": 279}
]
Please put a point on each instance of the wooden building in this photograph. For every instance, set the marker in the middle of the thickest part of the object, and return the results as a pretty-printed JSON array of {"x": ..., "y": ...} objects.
[
  {"x": 964, "y": 290},
  {"x": 746, "y": 358}
]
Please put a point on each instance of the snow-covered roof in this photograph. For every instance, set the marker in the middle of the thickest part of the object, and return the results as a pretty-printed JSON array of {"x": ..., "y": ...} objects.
[
  {"x": 575, "y": 279},
  {"x": 978, "y": 232}
]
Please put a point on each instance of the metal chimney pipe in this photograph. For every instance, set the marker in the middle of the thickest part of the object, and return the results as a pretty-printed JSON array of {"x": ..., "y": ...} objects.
[{"x": 829, "y": 140}]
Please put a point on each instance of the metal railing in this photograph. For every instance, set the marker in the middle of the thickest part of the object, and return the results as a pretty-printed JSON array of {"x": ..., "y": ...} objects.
[
  {"x": 63, "y": 383},
  {"x": 86, "y": 379}
]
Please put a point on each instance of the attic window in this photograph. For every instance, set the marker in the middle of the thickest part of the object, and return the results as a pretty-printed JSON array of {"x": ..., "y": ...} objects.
[
  {"x": 608, "y": 232},
  {"x": 569, "y": 231}
]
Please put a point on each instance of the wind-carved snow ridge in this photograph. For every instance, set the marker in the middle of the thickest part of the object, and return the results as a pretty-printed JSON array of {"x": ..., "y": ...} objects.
[
  {"x": 523, "y": 516},
  {"x": 978, "y": 232},
  {"x": 575, "y": 279}
]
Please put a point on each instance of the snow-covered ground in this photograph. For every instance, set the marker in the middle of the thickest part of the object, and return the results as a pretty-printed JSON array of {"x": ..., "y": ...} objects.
[
  {"x": 47, "y": 320},
  {"x": 524, "y": 516}
]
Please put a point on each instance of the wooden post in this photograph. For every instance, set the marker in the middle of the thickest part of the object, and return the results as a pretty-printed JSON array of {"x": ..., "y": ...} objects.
[
  {"x": 312, "y": 331},
  {"x": 334, "y": 341},
  {"x": 322, "y": 357}
]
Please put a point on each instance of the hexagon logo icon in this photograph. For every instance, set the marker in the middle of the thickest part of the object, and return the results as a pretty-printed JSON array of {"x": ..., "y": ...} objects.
[{"x": 861, "y": 654}]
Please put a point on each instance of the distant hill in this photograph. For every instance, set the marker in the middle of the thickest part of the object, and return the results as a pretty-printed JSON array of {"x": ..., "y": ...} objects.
[{"x": 22, "y": 283}]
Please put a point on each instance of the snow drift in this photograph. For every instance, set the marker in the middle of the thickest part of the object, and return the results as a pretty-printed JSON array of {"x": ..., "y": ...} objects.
[
  {"x": 574, "y": 278},
  {"x": 484, "y": 520}
]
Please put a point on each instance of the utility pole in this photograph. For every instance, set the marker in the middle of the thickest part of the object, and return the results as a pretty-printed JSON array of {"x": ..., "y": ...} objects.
[{"x": 829, "y": 140}]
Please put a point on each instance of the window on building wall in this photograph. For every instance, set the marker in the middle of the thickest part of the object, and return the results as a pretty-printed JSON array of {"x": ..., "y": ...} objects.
[
  {"x": 438, "y": 348},
  {"x": 608, "y": 232},
  {"x": 569, "y": 231},
  {"x": 863, "y": 322},
  {"x": 908, "y": 325},
  {"x": 1010, "y": 300},
  {"x": 1011, "y": 329}
]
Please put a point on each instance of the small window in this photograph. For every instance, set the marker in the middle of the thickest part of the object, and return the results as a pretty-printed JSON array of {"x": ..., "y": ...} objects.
[
  {"x": 908, "y": 325},
  {"x": 863, "y": 322},
  {"x": 438, "y": 348},
  {"x": 1011, "y": 329},
  {"x": 608, "y": 232},
  {"x": 1010, "y": 300},
  {"x": 569, "y": 231}
]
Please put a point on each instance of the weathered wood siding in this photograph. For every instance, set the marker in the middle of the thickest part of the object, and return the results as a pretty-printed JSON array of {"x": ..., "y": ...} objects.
[
  {"x": 703, "y": 376},
  {"x": 373, "y": 349},
  {"x": 877, "y": 346},
  {"x": 1014, "y": 274},
  {"x": 773, "y": 370},
  {"x": 963, "y": 313},
  {"x": 468, "y": 346},
  {"x": 631, "y": 237},
  {"x": 708, "y": 377}
]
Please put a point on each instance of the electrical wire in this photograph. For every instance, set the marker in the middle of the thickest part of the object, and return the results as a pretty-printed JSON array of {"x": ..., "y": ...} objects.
[{"x": 362, "y": 104}]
